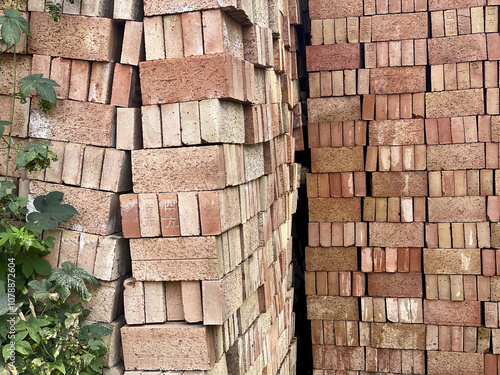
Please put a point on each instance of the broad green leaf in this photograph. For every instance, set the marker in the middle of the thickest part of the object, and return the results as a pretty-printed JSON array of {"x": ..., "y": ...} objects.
[
  {"x": 4, "y": 304},
  {"x": 69, "y": 277},
  {"x": 24, "y": 348},
  {"x": 43, "y": 86},
  {"x": 24, "y": 158},
  {"x": 4, "y": 186},
  {"x": 11, "y": 32},
  {"x": 42, "y": 267},
  {"x": 50, "y": 211},
  {"x": 60, "y": 366},
  {"x": 12, "y": 13}
]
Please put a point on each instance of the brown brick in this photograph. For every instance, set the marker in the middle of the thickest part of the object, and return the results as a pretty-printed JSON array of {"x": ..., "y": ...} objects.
[
  {"x": 339, "y": 159},
  {"x": 334, "y": 209},
  {"x": 398, "y": 336},
  {"x": 455, "y": 156},
  {"x": 153, "y": 7},
  {"x": 98, "y": 210},
  {"x": 396, "y": 234},
  {"x": 397, "y": 80},
  {"x": 331, "y": 259},
  {"x": 444, "y": 363},
  {"x": 73, "y": 121},
  {"x": 398, "y": 284},
  {"x": 451, "y": 103},
  {"x": 332, "y": 308},
  {"x": 217, "y": 76},
  {"x": 452, "y": 261},
  {"x": 399, "y": 184},
  {"x": 325, "y": 9},
  {"x": 7, "y": 72},
  {"x": 454, "y": 4},
  {"x": 399, "y": 26},
  {"x": 190, "y": 346},
  {"x": 333, "y": 57},
  {"x": 495, "y": 288},
  {"x": 334, "y": 109},
  {"x": 457, "y": 209},
  {"x": 75, "y": 37},
  {"x": 454, "y": 313},
  {"x": 179, "y": 169},
  {"x": 455, "y": 49},
  {"x": 396, "y": 132},
  {"x": 338, "y": 358}
]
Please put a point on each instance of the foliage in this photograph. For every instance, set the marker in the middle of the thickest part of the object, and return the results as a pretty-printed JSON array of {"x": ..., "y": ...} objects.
[
  {"x": 50, "y": 338},
  {"x": 42, "y": 328}
]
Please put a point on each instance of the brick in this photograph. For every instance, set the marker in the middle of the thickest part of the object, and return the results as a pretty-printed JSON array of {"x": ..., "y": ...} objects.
[
  {"x": 399, "y": 184},
  {"x": 116, "y": 171},
  {"x": 133, "y": 299},
  {"x": 332, "y": 308},
  {"x": 55, "y": 38},
  {"x": 216, "y": 76},
  {"x": 398, "y": 336},
  {"x": 456, "y": 156},
  {"x": 396, "y": 234},
  {"x": 396, "y": 132},
  {"x": 335, "y": 209},
  {"x": 455, "y": 49},
  {"x": 454, "y": 4},
  {"x": 130, "y": 215},
  {"x": 191, "y": 301},
  {"x": 125, "y": 91},
  {"x": 59, "y": 72},
  {"x": 397, "y": 80},
  {"x": 452, "y": 261},
  {"x": 97, "y": 210},
  {"x": 440, "y": 363},
  {"x": 338, "y": 357},
  {"x": 79, "y": 82},
  {"x": 321, "y": 9},
  {"x": 450, "y": 103},
  {"x": 193, "y": 168},
  {"x": 344, "y": 159},
  {"x": 7, "y": 71},
  {"x": 72, "y": 167},
  {"x": 399, "y": 26},
  {"x": 396, "y": 284},
  {"x": 457, "y": 209},
  {"x": 467, "y": 313},
  {"x": 128, "y": 129},
  {"x": 331, "y": 259},
  {"x": 101, "y": 80},
  {"x": 65, "y": 123},
  {"x": 133, "y": 43},
  {"x": 333, "y": 57},
  {"x": 196, "y": 351}
]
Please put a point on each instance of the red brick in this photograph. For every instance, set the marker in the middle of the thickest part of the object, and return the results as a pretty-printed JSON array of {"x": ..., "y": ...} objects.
[
  {"x": 450, "y": 103},
  {"x": 455, "y": 49},
  {"x": 396, "y": 234},
  {"x": 216, "y": 76},
  {"x": 396, "y": 184},
  {"x": 70, "y": 37},
  {"x": 130, "y": 215},
  {"x": 443, "y": 363},
  {"x": 397, "y": 80},
  {"x": 395, "y": 284},
  {"x": 321, "y": 9},
  {"x": 333, "y": 57},
  {"x": 398, "y": 336},
  {"x": 457, "y": 209},
  {"x": 399, "y": 26},
  {"x": 454, "y": 4},
  {"x": 125, "y": 91},
  {"x": 334, "y": 109},
  {"x": 338, "y": 357},
  {"x": 441, "y": 312}
]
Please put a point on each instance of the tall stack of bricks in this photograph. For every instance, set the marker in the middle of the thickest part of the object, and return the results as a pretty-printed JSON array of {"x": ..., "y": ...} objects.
[
  {"x": 214, "y": 189},
  {"x": 403, "y": 109},
  {"x": 98, "y": 85}
]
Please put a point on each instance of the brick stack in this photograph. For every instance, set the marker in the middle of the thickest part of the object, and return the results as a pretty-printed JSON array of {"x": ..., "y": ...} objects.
[
  {"x": 214, "y": 188},
  {"x": 92, "y": 130},
  {"x": 403, "y": 195}
]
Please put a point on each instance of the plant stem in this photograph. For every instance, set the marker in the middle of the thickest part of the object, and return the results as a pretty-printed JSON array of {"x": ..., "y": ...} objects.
[{"x": 9, "y": 147}]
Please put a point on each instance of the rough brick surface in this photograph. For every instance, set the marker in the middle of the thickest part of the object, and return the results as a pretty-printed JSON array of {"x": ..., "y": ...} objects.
[
  {"x": 334, "y": 109},
  {"x": 456, "y": 49},
  {"x": 451, "y": 103},
  {"x": 334, "y": 209},
  {"x": 398, "y": 80},
  {"x": 399, "y": 26},
  {"x": 452, "y": 261},
  {"x": 333, "y": 57},
  {"x": 345, "y": 159},
  {"x": 455, "y": 4},
  {"x": 76, "y": 37},
  {"x": 395, "y": 284},
  {"x": 454, "y": 313},
  {"x": 396, "y": 234},
  {"x": 338, "y": 357},
  {"x": 332, "y": 308},
  {"x": 443, "y": 363},
  {"x": 457, "y": 209},
  {"x": 398, "y": 336},
  {"x": 399, "y": 184},
  {"x": 319, "y": 9},
  {"x": 396, "y": 132},
  {"x": 454, "y": 157},
  {"x": 331, "y": 259}
]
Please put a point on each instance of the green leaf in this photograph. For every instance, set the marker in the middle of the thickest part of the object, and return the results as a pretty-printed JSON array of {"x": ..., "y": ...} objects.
[
  {"x": 43, "y": 86},
  {"x": 11, "y": 32},
  {"x": 4, "y": 186},
  {"x": 69, "y": 277},
  {"x": 59, "y": 365},
  {"x": 24, "y": 158},
  {"x": 42, "y": 267},
  {"x": 12, "y": 13},
  {"x": 50, "y": 211},
  {"x": 4, "y": 305},
  {"x": 23, "y": 347}
]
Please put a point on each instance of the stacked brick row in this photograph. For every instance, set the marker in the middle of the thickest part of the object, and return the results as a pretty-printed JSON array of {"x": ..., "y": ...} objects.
[
  {"x": 402, "y": 268},
  {"x": 93, "y": 54},
  {"x": 214, "y": 188}
]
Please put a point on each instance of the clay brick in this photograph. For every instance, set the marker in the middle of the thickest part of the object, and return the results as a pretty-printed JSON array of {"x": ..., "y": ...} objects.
[
  {"x": 332, "y": 308},
  {"x": 65, "y": 123},
  {"x": 455, "y": 49},
  {"x": 396, "y": 132},
  {"x": 98, "y": 210},
  {"x": 128, "y": 129},
  {"x": 452, "y": 261},
  {"x": 321, "y": 9},
  {"x": 450, "y": 103},
  {"x": 125, "y": 91},
  {"x": 193, "y": 168},
  {"x": 133, "y": 299},
  {"x": 340, "y": 159},
  {"x": 133, "y": 43},
  {"x": 398, "y": 284},
  {"x": 399, "y": 26},
  {"x": 334, "y": 109},
  {"x": 398, "y": 336},
  {"x": 335, "y": 209},
  {"x": 191, "y": 301},
  {"x": 331, "y": 259},
  {"x": 69, "y": 37},
  {"x": 454, "y": 4},
  {"x": 467, "y": 313},
  {"x": 116, "y": 171},
  {"x": 456, "y": 156},
  {"x": 457, "y": 209},
  {"x": 396, "y": 234},
  {"x": 196, "y": 351},
  {"x": 149, "y": 216},
  {"x": 79, "y": 83},
  {"x": 333, "y": 57},
  {"x": 216, "y": 76},
  {"x": 440, "y": 363},
  {"x": 338, "y": 357},
  {"x": 399, "y": 184},
  {"x": 130, "y": 215}
]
